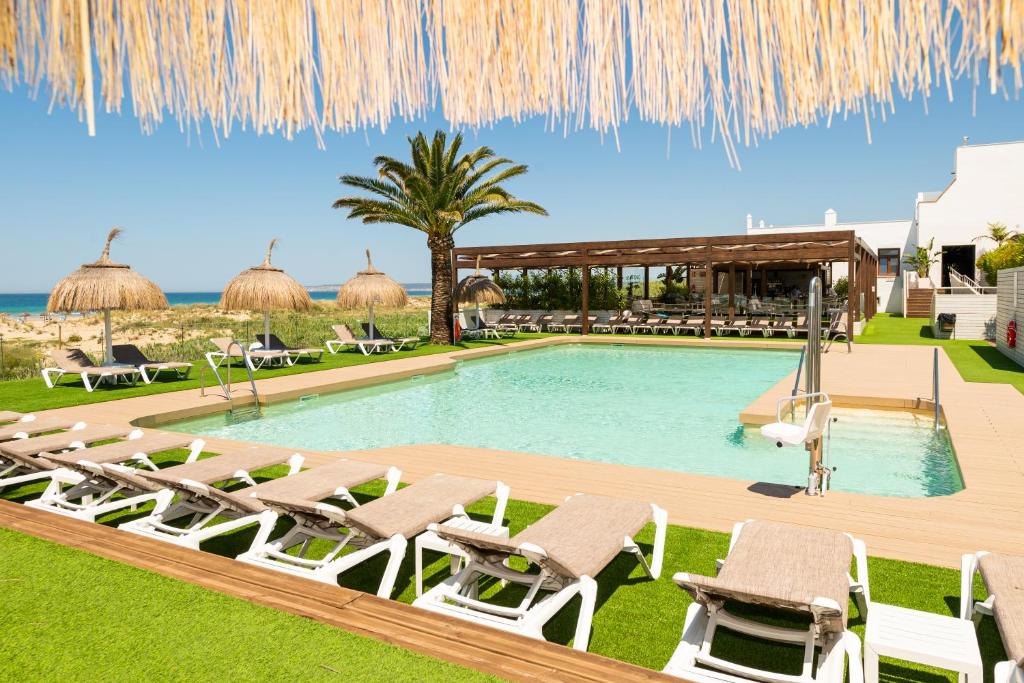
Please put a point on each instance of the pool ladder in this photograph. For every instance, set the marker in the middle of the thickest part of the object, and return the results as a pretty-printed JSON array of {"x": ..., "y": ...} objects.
[{"x": 248, "y": 412}]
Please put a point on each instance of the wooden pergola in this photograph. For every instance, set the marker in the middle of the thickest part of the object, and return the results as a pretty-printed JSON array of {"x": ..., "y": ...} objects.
[{"x": 727, "y": 253}]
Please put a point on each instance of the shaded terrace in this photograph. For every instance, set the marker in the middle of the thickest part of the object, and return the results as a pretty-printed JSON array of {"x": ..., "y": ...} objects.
[{"x": 730, "y": 254}]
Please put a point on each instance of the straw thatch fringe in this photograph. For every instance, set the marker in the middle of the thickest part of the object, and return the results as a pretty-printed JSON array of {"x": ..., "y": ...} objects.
[
  {"x": 265, "y": 288},
  {"x": 479, "y": 289},
  {"x": 371, "y": 287},
  {"x": 104, "y": 284},
  {"x": 744, "y": 69}
]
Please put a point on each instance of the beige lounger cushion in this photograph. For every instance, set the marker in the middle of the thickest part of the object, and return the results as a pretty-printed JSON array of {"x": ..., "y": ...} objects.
[
  {"x": 1004, "y": 578},
  {"x": 129, "y": 477},
  {"x": 150, "y": 442},
  {"x": 37, "y": 426},
  {"x": 783, "y": 566},
  {"x": 75, "y": 360},
  {"x": 63, "y": 440},
  {"x": 408, "y": 512},
  {"x": 221, "y": 467},
  {"x": 9, "y": 416},
  {"x": 585, "y": 533},
  {"x": 581, "y": 537},
  {"x": 174, "y": 365},
  {"x": 304, "y": 490}
]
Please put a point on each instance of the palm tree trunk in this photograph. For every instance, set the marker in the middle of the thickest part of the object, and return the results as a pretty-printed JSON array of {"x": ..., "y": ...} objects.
[{"x": 441, "y": 329}]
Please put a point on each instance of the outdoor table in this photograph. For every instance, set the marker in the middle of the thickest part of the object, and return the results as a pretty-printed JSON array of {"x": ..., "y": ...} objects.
[{"x": 921, "y": 637}]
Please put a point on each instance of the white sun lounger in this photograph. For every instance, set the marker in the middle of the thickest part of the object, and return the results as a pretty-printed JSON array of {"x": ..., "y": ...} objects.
[
  {"x": 187, "y": 490},
  {"x": 24, "y": 460},
  {"x": 795, "y": 569},
  {"x": 365, "y": 346},
  {"x": 75, "y": 362},
  {"x": 30, "y": 425},
  {"x": 93, "y": 493},
  {"x": 130, "y": 354},
  {"x": 256, "y": 358},
  {"x": 1004, "y": 580},
  {"x": 383, "y": 525},
  {"x": 570, "y": 546},
  {"x": 8, "y": 416}
]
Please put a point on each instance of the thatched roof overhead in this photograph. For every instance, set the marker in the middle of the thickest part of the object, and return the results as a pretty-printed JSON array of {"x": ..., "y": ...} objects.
[
  {"x": 371, "y": 287},
  {"x": 104, "y": 284},
  {"x": 743, "y": 70},
  {"x": 479, "y": 289},
  {"x": 265, "y": 288}
]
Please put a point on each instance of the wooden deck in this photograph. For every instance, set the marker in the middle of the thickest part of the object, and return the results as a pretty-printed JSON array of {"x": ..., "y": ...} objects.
[{"x": 501, "y": 654}]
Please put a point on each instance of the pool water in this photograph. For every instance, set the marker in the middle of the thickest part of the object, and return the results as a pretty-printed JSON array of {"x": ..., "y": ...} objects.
[{"x": 667, "y": 408}]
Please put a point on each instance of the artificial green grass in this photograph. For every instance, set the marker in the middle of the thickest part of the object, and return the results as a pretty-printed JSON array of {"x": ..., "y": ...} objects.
[
  {"x": 975, "y": 360},
  {"x": 71, "y": 616},
  {"x": 31, "y": 394},
  {"x": 637, "y": 620}
]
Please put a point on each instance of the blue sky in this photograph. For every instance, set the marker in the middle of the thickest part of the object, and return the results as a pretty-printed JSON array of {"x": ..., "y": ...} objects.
[{"x": 195, "y": 214}]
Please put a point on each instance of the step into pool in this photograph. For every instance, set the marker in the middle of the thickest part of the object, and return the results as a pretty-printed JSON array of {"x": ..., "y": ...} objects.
[{"x": 666, "y": 408}]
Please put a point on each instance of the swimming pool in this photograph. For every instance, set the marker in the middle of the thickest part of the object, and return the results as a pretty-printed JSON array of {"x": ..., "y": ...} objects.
[{"x": 666, "y": 408}]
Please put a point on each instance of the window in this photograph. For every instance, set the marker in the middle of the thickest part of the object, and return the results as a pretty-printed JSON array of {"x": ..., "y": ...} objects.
[{"x": 889, "y": 262}]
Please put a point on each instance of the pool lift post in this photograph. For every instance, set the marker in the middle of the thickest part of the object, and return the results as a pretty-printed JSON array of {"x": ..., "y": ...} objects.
[{"x": 815, "y": 432}]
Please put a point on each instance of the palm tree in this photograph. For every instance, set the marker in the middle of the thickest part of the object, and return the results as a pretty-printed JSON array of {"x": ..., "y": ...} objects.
[
  {"x": 923, "y": 258},
  {"x": 439, "y": 193},
  {"x": 997, "y": 232}
]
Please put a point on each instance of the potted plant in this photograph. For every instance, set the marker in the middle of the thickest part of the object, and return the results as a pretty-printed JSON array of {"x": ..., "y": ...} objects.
[{"x": 922, "y": 259}]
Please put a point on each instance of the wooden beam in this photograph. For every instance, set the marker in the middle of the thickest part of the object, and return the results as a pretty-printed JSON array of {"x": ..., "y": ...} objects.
[
  {"x": 618, "y": 277},
  {"x": 789, "y": 254},
  {"x": 709, "y": 270},
  {"x": 647, "y": 282},
  {"x": 851, "y": 286}
]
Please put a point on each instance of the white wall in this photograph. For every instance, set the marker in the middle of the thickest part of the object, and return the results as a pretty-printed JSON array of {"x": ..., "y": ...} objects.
[
  {"x": 988, "y": 187},
  {"x": 892, "y": 234},
  {"x": 1010, "y": 307},
  {"x": 975, "y": 315}
]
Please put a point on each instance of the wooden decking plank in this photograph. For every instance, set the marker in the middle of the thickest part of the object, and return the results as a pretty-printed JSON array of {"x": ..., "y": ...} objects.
[{"x": 460, "y": 642}]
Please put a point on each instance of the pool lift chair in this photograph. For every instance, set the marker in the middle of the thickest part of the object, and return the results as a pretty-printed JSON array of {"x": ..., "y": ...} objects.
[{"x": 817, "y": 426}]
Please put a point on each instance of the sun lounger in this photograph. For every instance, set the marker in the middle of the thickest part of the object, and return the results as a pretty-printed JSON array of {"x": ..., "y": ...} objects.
[
  {"x": 794, "y": 569},
  {"x": 75, "y": 362},
  {"x": 647, "y": 324},
  {"x": 92, "y": 492},
  {"x": 564, "y": 323},
  {"x": 569, "y": 547},
  {"x": 605, "y": 326},
  {"x": 544, "y": 321},
  {"x": 8, "y": 416},
  {"x": 738, "y": 325},
  {"x": 383, "y": 525},
  {"x": 295, "y": 353},
  {"x": 693, "y": 324},
  {"x": 626, "y": 323},
  {"x": 256, "y": 358},
  {"x": 20, "y": 460},
  {"x": 365, "y": 346},
  {"x": 129, "y": 354},
  {"x": 400, "y": 342},
  {"x": 669, "y": 325},
  {"x": 525, "y": 323},
  {"x": 188, "y": 491},
  {"x": 792, "y": 327},
  {"x": 762, "y": 324},
  {"x": 1003, "y": 576},
  {"x": 30, "y": 425},
  {"x": 578, "y": 326}
]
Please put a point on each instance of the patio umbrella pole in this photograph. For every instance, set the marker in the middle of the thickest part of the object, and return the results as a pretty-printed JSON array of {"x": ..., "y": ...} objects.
[
  {"x": 372, "y": 326},
  {"x": 108, "y": 346},
  {"x": 266, "y": 329}
]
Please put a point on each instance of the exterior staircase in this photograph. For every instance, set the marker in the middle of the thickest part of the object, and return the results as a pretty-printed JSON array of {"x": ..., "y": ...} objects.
[{"x": 919, "y": 303}]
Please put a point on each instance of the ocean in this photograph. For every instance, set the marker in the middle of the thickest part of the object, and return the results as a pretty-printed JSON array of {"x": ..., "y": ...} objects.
[{"x": 35, "y": 303}]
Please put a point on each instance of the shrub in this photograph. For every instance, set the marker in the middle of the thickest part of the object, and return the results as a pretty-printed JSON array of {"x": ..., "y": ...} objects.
[
  {"x": 20, "y": 361},
  {"x": 841, "y": 287},
  {"x": 1010, "y": 254},
  {"x": 560, "y": 289},
  {"x": 74, "y": 339}
]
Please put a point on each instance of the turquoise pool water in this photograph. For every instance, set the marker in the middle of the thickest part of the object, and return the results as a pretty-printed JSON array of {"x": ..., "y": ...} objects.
[{"x": 667, "y": 408}]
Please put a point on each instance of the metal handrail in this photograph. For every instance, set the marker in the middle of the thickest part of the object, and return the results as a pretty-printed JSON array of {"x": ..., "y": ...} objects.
[
  {"x": 935, "y": 386},
  {"x": 966, "y": 281},
  {"x": 226, "y": 388}
]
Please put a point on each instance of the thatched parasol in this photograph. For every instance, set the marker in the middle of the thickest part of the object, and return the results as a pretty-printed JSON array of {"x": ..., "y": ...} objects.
[
  {"x": 369, "y": 288},
  {"x": 105, "y": 286},
  {"x": 479, "y": 289},
  {"x": 265, "y": 288}
]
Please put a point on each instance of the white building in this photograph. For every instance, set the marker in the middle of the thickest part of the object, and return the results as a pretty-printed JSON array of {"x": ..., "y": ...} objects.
[{"x": 987, "y": 186}]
